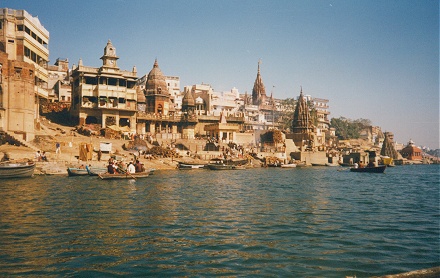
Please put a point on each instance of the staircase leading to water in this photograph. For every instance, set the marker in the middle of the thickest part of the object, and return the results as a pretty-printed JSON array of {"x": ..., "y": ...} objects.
[{"x": 21, "y": 141}]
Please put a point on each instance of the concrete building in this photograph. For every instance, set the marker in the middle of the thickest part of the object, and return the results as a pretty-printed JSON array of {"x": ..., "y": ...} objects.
[
  {"x": 60, "y": 95},
  {"x": 106, "y": 95},
  {"x": 26, "y": 43}
]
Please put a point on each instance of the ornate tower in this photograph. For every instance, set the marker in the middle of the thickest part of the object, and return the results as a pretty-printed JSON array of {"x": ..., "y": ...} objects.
[
  {"x": 302, "y": 122},
  {"x": 109, "y": 59},
  {"x": 259, "y": 91},
  {"x": 387, "y": 146},
  {"x": 156, "y": 92},
  {"x": 188, "y": 103}
]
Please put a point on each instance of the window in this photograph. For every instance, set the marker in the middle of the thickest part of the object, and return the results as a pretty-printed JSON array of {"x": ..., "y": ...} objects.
[{"x": 18, "y": 72}]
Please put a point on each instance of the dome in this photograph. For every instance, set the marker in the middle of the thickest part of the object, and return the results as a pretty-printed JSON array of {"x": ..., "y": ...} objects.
[
  {"x": 199, "y": 100},
  {"x": 156, "y": 83},
  {"x": 188, "y": 99}
]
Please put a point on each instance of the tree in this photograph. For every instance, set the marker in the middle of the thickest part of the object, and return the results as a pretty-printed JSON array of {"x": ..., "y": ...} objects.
[
  {"x": 347, "y": 128},
  {"x": 288, "y": 107}
]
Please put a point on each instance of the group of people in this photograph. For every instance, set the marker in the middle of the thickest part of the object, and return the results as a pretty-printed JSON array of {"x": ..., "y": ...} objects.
[
  {"x": 41, "y": 156},
  {"x": 115, "y": 167}
]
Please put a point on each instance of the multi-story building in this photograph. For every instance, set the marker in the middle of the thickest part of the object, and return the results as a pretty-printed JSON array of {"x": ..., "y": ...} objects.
[
  {"x": 25, "y": 39},
  {"x": 60, "y": 94},
  {"x": 26, "y": 43},
  {"x": 104, "y": 95},
  {"x": 321, "y": 107}
]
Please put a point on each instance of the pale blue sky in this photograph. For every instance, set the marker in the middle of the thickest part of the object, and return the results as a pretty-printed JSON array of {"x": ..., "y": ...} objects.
[{"x": 372, "y": 59}]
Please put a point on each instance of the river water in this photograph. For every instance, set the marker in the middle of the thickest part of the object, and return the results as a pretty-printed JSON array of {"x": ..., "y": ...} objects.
[{"x": 303, "y": 222}]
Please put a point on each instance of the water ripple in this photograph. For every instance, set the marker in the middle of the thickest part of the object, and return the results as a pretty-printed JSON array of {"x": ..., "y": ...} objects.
[{"x": 315, "y": 222}]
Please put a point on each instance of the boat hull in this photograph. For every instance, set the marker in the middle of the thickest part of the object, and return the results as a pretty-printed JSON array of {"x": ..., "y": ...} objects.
[
  {"x": 107, "y": 176},
  {"x": 96, "y": 171},
  {"x": 221, "y": 167},
  {"x": 16, "y": 170},
  {"x": 378, "y": 169},
  {"x": 184, "y": 166},
  {"x": 73, "y": 172}
]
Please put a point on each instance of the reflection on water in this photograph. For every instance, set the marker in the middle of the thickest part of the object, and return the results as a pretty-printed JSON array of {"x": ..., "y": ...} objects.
[{"x": 269, "y": 222}]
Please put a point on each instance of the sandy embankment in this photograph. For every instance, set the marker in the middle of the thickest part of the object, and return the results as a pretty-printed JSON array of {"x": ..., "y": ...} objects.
[{"x": 70, "y": 141}]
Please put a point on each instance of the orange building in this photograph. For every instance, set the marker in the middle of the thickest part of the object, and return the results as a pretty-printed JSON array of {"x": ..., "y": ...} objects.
[{"x": 411, "y": 151}]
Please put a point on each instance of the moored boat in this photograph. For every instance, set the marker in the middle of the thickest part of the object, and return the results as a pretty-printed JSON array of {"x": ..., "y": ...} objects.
[
  {"x": 72, "y": 172},
  {"x": 188, "y": 166},
  {"x": 108, "y": 176},
  {"x": 375, "y": 169},
  {"x": 11, "y": 169},
  {"x": 94, "y": 171},
  {"x": 289, "y": 165},
  {"x": 221, "y": 166}
]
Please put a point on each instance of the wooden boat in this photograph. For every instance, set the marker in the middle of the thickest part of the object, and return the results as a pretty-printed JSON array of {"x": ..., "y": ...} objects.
[
  {"x": 107, "y": 176},
  {"x": 289, "y": 165},
  {"x": 73, "y": 172},
  {"x": 221, "y": 166},
  {"x": 376, "y": 169},
  {"x": 188, "y": 166},
  {"x": 332, "y": 165},
  {"x": 11, "y": 169},
  {"x": 94, "y": 171}
]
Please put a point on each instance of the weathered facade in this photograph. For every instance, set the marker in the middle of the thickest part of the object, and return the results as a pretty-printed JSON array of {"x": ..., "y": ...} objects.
[
  {"x": 24, "y": 56},
  {"x": 17, "y": 97},
  {"x": 105, "y": 95}
]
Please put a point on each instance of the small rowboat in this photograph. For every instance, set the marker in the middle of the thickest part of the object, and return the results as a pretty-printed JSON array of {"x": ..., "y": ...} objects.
[
  {"x": 16, "y": 169},
  {"x": 378, "y": 169},
  {"x": 94, "y": 171},
  {"x": 107, "y": 176},
  {"x": 72, "y": 172}
]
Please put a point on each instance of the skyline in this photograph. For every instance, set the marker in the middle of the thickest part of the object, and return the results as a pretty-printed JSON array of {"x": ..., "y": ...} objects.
[{"x": 375, "y": 60}]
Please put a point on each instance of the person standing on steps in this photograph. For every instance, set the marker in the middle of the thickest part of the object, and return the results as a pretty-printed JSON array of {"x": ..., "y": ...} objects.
[{"x": 58, "y": 148}]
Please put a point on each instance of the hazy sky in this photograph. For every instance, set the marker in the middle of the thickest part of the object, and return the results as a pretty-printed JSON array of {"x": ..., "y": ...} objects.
[{"x": 376, "y": 60}]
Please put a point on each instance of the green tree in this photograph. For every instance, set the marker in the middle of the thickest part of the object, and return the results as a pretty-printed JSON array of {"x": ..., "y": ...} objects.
[
  {"x": 347, "y": 128},
  {"x": 288, "y": 107}
]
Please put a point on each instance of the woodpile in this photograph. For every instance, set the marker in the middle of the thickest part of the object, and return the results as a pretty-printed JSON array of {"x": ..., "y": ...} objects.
[{"x": 158, "y": 151}]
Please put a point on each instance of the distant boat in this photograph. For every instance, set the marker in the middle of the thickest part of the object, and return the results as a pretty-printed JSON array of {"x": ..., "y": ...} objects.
[
  {"x": 16, "y": 169},
  {"x": 94, "y": 171},
  {"x": 190, "y": 166},
  {"x": 289, "y": 165},
  {"x": 107, "y": 176},
  {"x": 376, "y": 169},
  {"x": 319, "y": 164},
  {"x": 220, "y": 166},
  {"x": 72, "y": 172}
]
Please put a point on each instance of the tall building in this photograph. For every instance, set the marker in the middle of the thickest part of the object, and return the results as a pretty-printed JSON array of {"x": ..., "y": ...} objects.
[
  {"x": 26, "y": 43},
  {"x": 24, "y": 39},
  {"x": 104, "y": 95}
]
